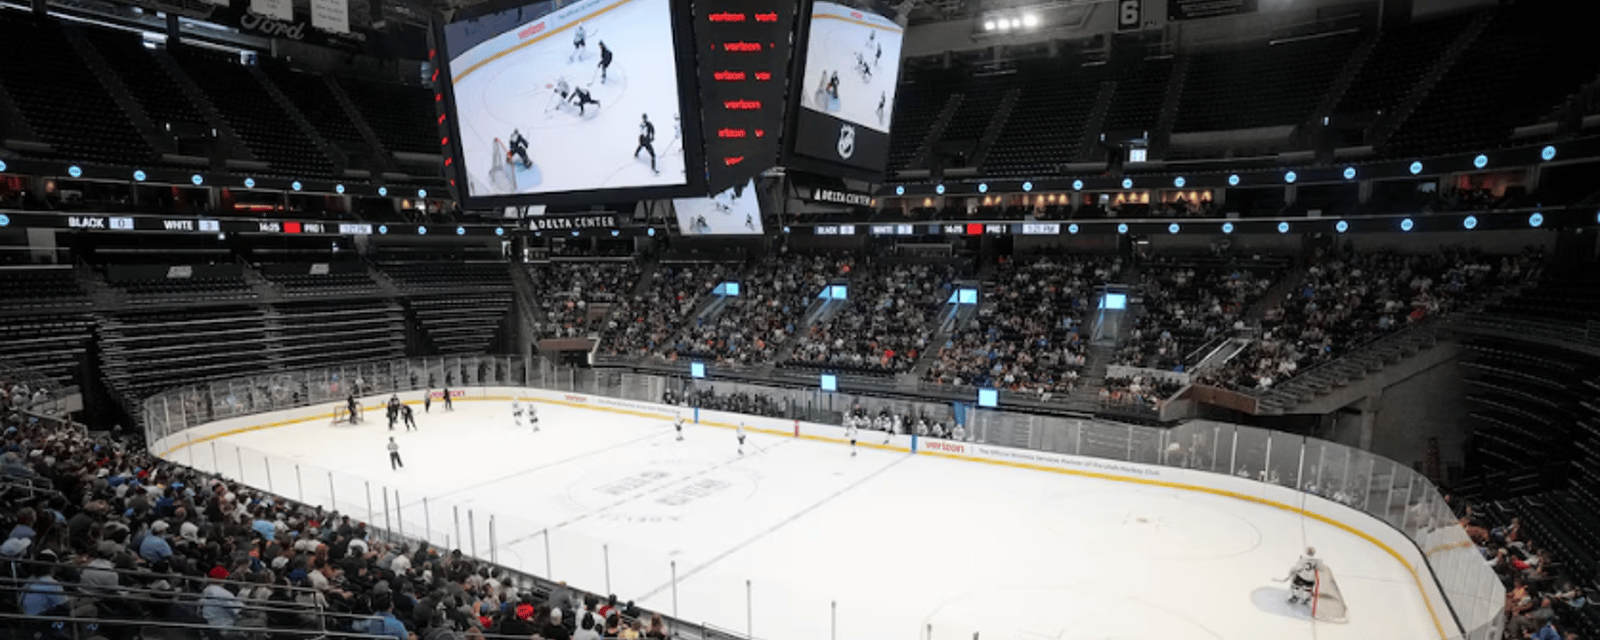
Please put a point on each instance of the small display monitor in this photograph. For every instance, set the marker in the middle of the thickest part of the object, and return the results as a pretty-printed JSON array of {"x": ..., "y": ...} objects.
[
  {"x": 1116, "y": 301},
  {"x": 988, "y": 398},
  {"x": 830, "y": 382},
  {"x": 697, "y": 369}
]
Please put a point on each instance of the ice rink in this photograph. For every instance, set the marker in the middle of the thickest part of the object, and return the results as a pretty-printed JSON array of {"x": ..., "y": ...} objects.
[
  {"x": 573, "y": 150},
  {"x": 865, "y": 53},
  {"x": 721, "y": 214},
  {"x": 905, "y": 546}
]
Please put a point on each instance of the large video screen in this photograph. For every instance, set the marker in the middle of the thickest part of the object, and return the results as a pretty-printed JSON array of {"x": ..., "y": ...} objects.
[
  {"x": 585, "y": 98},
  {"x": 736, "y": 211},
  {"x": 846, "y": 95}
]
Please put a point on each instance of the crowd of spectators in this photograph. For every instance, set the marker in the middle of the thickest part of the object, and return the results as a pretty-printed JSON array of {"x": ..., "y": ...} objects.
[
  {"x": 885, "y": 323},
  {"x": 568, "y": 288},
  {"x": 1543, "y": 601},
  {"x": 643, "y": 323},
  {"x": 772, "y": 301},
  {"x": 1136, "y": 392},
  {"x": 1188, "y": 302},
  {"x": 112, "y": 538},
  {"x": 755, "y": 404},
  {"x": 1349, "y": 298},
  {"x": 1028, "y": 333}
]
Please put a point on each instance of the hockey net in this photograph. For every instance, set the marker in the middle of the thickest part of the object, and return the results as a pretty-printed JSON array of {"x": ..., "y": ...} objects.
[
  {"x": 1327, "y": 603},
  {"x": 502, "y": 173}
]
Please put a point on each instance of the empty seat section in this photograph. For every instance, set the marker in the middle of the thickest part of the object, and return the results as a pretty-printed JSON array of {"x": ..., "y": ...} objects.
[
  {"x": 425, "y": 276},
  {"x": 146, "y": 79},
  {"x": 52, "y": 344},
  {"x": 314, "y": 334},
  {"x": 252, "y": 112},
  {"x": 34, "y": 286},
  {"x": 61, "y": 97},
  {"x": 921, "y": 96},
  {"x": 394, "y": 112},
  {"x": 142, "y": 352},
  {"x": 461, "y": 324},
  {"x": 1136, "y": 103},
  {"x": 1260, "y": 86},
  {"x": 1046, "y": 127},
  {"x": 1397, "y": 62}
]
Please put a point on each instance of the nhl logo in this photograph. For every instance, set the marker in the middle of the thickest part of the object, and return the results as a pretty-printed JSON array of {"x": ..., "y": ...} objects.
[{"x": 847, "y": 141}]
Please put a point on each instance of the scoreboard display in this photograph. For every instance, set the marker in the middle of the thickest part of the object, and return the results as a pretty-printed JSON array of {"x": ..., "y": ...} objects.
[{"x": 744, "y": 56}]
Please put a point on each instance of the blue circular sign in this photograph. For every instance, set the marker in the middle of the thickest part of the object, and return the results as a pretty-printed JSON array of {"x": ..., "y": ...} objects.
[
  {"x": 1127, "y": 183},
  {"x": 983, "y": 187},
  {"x": 574, "y": 233},
  {"x": 1233, "y": 180},
  {"x": 1470, "y": 222},
  {"x": 786, "y": 229},
  {"x": 939, "y": 189},
  {"x": 1548, "y": 153},
  {"x": 1072, "y": 228},
  {"x": 338, "y": 188},
  {"x": 1027, "y": 186},
  {"x": 383, "y": 228},
  {"x": 1407, "y": 224},
  {"x": 1342, "y": 226},
  {"x": 249, "y": 183},
  {"x": 1227, "y": 227},
  {"x": 422, "y": 193},
  {"x": 650, "y": 232},
  {"x": 499, "y": 231},
  {"x": 1481, "y": 161},
  {"x": 614, "y": 233},
  {"x": 1416, "y": 167},
  {"x": 1122, "y": 228},
  {"x": 75, "y": 171},
  {"x": 1536, "y": 220},
  {"x": 1077, "y": 185},
  {"x": 1172, "y": 228},
  {"x": 1179, "y": 182},
  {"x": 2, "y": 165},
  {"x": 5, "y": 220},
  {"x": 900, "y": 190},
  {"x": 139, "y": 175},
  {"x": 1283, "y": 227},
  {"x": 197, "y": 179},
  {"x": 383, "y": 191},
  {"x": 422, "y": 231},
  {"x": 1349, "y": 173},
  {"x": 295, "y": 185},
  {"x": 1290, "y": 177},
  {"x": 461, "y": 231}
]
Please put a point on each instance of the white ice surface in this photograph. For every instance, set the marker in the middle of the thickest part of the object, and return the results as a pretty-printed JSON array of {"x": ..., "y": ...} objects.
[
  {"x": 834, "y": 47},
  {"x": 570, "y": 151},
  {"x": 723, "y": 213},
  {"x": 902, "y": 543}
]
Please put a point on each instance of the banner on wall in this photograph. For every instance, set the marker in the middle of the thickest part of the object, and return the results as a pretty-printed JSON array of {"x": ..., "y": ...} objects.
[
  {"x": 331, "y": 15},
  {"x": 1196, "y": 9},
  {"x": 275, "y": 9}
]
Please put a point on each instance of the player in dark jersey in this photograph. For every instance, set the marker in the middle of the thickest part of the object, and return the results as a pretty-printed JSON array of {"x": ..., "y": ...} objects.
[
  {"x": 647, "y": 136},
  {"x": 605, "y": 60}
]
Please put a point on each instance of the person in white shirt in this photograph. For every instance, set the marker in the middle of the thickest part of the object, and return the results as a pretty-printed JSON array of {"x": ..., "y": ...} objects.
[{"x": 850, "y": 432}]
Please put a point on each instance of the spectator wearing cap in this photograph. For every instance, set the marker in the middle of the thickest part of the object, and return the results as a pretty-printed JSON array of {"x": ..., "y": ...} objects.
[
  {"x": 218, "y": 605},
  {"x": 155, "y": 548},
  {"x": 554, "y": 629},
  {"x": 520, "y": 624}
]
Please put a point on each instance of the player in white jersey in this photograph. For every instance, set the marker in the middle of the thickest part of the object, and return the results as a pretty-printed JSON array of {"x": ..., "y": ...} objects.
[
  {"x": 677, "y": 423},
  {"x": 850, "y": 432},
  {"x": 516, "y": 412},
  {"x": 579, "y": 44},
  {"x": 1303, "y": 576},
  {"x": 739, "y": 431}
]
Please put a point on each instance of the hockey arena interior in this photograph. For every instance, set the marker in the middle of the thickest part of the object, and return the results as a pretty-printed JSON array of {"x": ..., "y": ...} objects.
[{"x": 799, "y": 320}]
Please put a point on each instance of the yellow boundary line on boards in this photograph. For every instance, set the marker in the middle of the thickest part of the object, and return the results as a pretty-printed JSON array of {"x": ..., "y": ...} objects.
[
  {"x": 518, "y": 46},
  {"x": 864, "y": 23},
  {"x": 1416, "y": 578}
]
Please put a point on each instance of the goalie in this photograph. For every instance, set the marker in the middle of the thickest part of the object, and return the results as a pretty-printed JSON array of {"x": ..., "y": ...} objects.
[
  {"x": 517, "y": 153},
  {"x": 1303, "y": 577}
]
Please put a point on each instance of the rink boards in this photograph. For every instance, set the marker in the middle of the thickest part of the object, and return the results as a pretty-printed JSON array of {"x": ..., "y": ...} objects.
[{"x": 1376, "y": 536}]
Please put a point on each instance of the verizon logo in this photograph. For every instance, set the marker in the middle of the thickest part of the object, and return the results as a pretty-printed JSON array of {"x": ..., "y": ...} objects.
[
  {"x": 531, "y": 30},
  {"x": 741, "y": 105},
  {"x": 946, "y": 446},
  {"x": 742, "y": 47}
]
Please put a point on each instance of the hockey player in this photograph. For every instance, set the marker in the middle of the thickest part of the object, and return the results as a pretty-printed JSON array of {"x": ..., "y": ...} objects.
[
  {"x": 581, "y": 97},
  {"x": 355, "y": 409},
  {"x": 677, "y": 423},
  {"x": 516, "y": 412},
  {"x": 960, "y": 433},
  {"x": 427, "y": 400},
  {"x": 605, "y": 61},
  {"x": 850, "y": 432},
  {"x": 533, "y": 417},
  {"x": 394, "y": 455},
  {"x": 448, "y": 405},
  {"x": 519, "y": 150},
  {"x": 647, "y": 135},
  {"x": 739, "y": 431},
  {"x": 410, "y": 417},
  {"x": 833, "y": 85},
  {"x": 877, "y": 57},
  {"x": 1302, "y": 577},
  {"x": 883, "y": 98},
  {"x": 578, "y": 44},
  {"x": 863, "y": 68},
  {"x": 393, "y": 410}
]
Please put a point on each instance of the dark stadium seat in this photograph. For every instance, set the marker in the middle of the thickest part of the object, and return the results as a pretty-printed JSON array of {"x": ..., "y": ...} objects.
[
  {"x": 1397, "y": 62},
  {"x": 1047, "y": 125},
  {"x": 142, "y": 352},
  {"x": 315, "y": 334},
  {"x": 921, "y": 96},
  {"x": 394, "y": 111},
  {"x": 1260, "y": 86},
  {"x": 35, "y": 286},
  {"x": 312, "y": 97},
  {"x": 50, "y": 344},
  {"x": 146, "y": 79},
  {"x": 1140, "y": 90},
  {"x": 426, "y": 276},
  {"x": 252, "y": 112},
  {"x": 61, "y": 98},
  {"x": 461, "y": 324}
]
